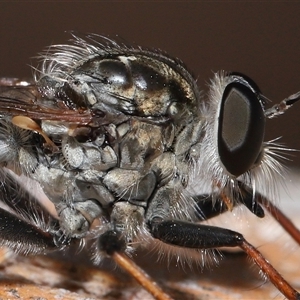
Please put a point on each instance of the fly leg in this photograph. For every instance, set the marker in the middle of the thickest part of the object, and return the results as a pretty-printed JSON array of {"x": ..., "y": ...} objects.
[
  {"x": 23, "y": 228},
  {"x": 211, "y": 205},
  {"x": 21, "y": 236},
  {"x": 198, "y": 236},
  {"x": 280, "y": 217},
  {"x": 114, "y": 245},
  {"x": 275, "y": 212},
  {"x": 127, "y": 223},
  {"x": 210, "y": 208}
]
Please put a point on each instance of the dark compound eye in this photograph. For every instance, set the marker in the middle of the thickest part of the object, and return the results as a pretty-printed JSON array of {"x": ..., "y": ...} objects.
[{"x": 241, "y": 126}]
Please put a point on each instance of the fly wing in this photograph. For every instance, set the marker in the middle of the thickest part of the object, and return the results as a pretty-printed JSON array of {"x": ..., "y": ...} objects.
[{"x": 23, "y": 98}]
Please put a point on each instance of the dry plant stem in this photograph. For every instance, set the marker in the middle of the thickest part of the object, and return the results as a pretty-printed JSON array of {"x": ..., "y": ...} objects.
[
  {"x": 282, "y": 219},
  {"x": 126, "y": 263},
  {"x": 278, "y": 281}
]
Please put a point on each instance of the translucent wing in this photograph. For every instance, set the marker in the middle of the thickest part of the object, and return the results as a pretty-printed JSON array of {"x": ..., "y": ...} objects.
[{"x": 23, "y": 98}]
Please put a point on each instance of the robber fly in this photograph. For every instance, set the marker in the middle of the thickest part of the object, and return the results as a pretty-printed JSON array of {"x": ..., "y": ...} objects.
[{"x": 115, "y": 134}]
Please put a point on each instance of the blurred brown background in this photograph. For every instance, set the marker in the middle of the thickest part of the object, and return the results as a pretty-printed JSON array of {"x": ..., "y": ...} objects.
[{"x": 261, "y": 40}]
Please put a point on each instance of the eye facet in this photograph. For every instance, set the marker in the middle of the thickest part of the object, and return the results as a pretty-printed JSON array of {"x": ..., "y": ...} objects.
[{"x": 241, "y": 125}]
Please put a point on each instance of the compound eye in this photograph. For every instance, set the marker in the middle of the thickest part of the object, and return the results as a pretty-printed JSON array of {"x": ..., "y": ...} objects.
[{"x": 241, "y": 127}]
